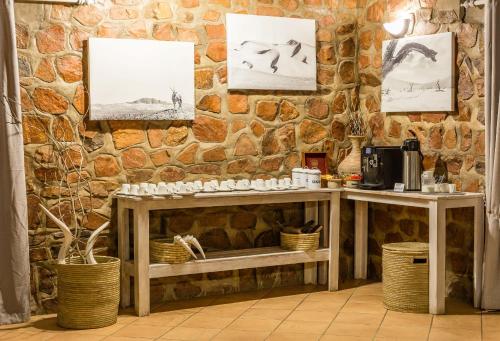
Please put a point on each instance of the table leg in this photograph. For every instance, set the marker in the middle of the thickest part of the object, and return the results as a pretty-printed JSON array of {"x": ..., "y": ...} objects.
[
  {"x": 437, "y": 258},
  {"x": 141, "y": 261},
  {"x": 311, "y": 269},
  {"x": 123, "y": 253},
  {"x": 360, "y": 239},
  {"x": 334, "y": 226},
  {"x": 478, "y": 251},
  {"x": 324, "y": 241}
]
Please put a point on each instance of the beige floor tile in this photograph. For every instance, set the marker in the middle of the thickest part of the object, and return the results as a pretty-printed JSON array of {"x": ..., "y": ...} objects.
[
  {"x": 364, "y": 307},
  {"x": 403, "y": 332},
  {"x": 352, "y": 329},
  {"x": 250, "y": 324},
  {"x": 225, "y": 311},
  {"x": 491, "y": 322},
  {"x": 188, "y": 334},
  {"x": 277, "y": 303},
  {"x": 123, "y": 338},
  {"x": 491, "y": 334},
  {"x": 302, "y": 327},
  {"x": 75, "y": 337},
  {"x": 207, "y": 320},
  {"x": 366, "y": 298},
  {"x": 330, "y": 306},
  {"x": 394, "y": 318},
  {"x": 345, "y": 338},
  {"x": 240, "y": 335},
  {"x": 457, "y": 321},
  {"x": 282, "y": 336},
  {"x": 42, "y": 336},
  {"x": 454, "y": 334},
  {"x": 264, "y": 314},
  {"x": 369, "y": 289},
  {"x": 126, "y": 319},
  {"x": 105, "y": 331},
  {"x": 311, "y": 315},
  {"x": 360, "y": 318},
  {"x": 142, "y": 331},
  {"x": 161, "y": 320},
  {"x": 328, "y": 296}
]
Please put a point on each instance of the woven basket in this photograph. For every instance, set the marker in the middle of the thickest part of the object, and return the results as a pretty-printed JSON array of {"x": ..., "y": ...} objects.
[
  {"x": 299, "y": 241},
  {"x": 165, "y": 251},
  {"x": 88, "y": 294},
  {"x": 405, "y": 277}
]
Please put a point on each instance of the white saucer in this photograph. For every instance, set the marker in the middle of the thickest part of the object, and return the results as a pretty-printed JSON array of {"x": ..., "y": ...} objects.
[
  {"x": 184, "y": 193},
  {"x": 242, "y": 189}
]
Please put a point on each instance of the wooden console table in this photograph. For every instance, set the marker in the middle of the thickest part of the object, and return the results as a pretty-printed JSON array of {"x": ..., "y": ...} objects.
[
  {"x": 323, "y": 205},
  {"x": 436, "y": 205}
]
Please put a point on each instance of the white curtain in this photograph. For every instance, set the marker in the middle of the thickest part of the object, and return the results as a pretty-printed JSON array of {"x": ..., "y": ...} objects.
[
  {"x": 14, "y": 254},
  {"x": 491, "y": 273}
]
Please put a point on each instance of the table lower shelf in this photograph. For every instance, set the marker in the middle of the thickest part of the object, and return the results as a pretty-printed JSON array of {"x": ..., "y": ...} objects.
[{"x": 234, "y": 260}]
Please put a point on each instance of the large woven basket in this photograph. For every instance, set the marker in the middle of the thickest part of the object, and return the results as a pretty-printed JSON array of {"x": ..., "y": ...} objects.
[
  {"x": 405, "y": 277},
  {"x": 88, "y": 294},
  {"x": 299, "y": 241},
  {"x": 165, "y": 251}
]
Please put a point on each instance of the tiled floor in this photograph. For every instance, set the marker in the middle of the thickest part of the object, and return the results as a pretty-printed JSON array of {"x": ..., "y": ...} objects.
[{"x": 282, "y": 314}]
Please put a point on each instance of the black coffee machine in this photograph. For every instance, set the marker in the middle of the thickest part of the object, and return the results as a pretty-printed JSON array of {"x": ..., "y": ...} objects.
[{"x": 381, "y": 167}]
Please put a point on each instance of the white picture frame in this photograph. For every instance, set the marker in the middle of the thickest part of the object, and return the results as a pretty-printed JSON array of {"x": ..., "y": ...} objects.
[
  {"x": 270, "y": 53},
  {"x": 131, "y": 79},
  {"x": 418, "y": 74}
]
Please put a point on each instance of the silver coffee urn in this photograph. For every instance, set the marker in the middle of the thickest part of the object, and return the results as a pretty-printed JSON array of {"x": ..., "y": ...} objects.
[{"x": 412, "y": 164}]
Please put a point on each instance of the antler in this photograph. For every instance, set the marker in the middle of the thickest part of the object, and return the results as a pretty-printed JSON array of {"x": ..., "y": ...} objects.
[
  {"x": 89, "y": 249},
  {"x": 193, "y": 241},
  {"x": 68, "y": 236},
  {"x": 178, "y": 239}
]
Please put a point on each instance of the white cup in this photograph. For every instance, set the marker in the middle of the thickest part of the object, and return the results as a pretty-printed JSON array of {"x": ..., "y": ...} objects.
[
  {"x": 171, "y": 187},
  {"x": 162, "y": 188},
  {"x": 190, "y": 186},
  {"x": 198, "y": 185},
  {"x": 215, "y": 184},
  {"x": 452, "y": 188},
  {"x": 143, "y": 185},
  {"x": 208, "y": 187},
  {"x": 134, "y": 189},
  {"x": 274, "y": 182},
  {"x": 125, "y": 189},
  {"x": 224, "y": 186},
  {"x": 152, "y": 189},
  {"x": 260, "y": 184},
  {"x": 281, "y": 183},
  {"x": 231, "y": 183},
  {"x": 242, "y": 184},
  {"x": 253, "y": 184},
  {"x": 268, "y": 184},
  {"x": 287, "y": 181}
]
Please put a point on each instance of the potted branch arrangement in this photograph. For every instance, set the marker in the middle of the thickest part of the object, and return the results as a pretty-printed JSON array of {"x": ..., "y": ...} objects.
[
  {"x": 351, "y": 165},
  {"x": 88, "y": 286}
]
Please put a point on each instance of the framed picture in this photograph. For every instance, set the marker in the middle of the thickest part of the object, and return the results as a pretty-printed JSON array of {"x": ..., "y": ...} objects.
[
  {"x": 315, "y": 160},
  {"x": 418, "y": 73},
  {"x": 140, "y": 79},
  {"x": 270, "y": 53}
]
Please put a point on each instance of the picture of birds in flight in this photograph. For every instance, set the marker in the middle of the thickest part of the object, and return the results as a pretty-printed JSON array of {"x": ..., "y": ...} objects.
[{"x": 279, "y": 54}]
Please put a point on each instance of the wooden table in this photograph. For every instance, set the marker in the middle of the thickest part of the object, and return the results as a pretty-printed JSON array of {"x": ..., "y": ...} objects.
[
  {"x": 436, "y": 205},
  {"x": 322, "y": 205}
]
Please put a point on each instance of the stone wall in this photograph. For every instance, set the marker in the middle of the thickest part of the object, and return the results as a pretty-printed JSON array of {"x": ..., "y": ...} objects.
[
  {"x": 235, "y": 134},
  {"x": 456, "y": 138},
  {"x": 244, "y": 134}
]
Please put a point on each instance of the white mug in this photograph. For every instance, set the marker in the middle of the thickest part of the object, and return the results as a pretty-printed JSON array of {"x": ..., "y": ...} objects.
[
  {"x": 171, "y": 187},
  {"x": 152, "y": 189},
  {"x": 281, "y": 183},
  {"x": 260, "y": 183},
  {"x": 274, "y": 182},
  {"x": 452, "y": 188},
  {"x": 125, "y": 189},
  {"x": 198, "y": 185},
  {"x": 144, "y": 185},
  {"x": 242, "y": 184},
  {"x": 231, "y": 183},
  {"x": 287, "y": 181},
  {"x": 134, "y": 189},
  {"x": 253, "y": 184},
  {"x": 190, "y": 186},
  {"x": 162, "y": 188}
]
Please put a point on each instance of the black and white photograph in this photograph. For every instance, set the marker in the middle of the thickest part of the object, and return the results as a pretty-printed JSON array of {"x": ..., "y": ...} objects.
[
  {"x": 418, "y": 74},
  {"x": 270, "y": 53},
  {"x": 141, "y": 79}
]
